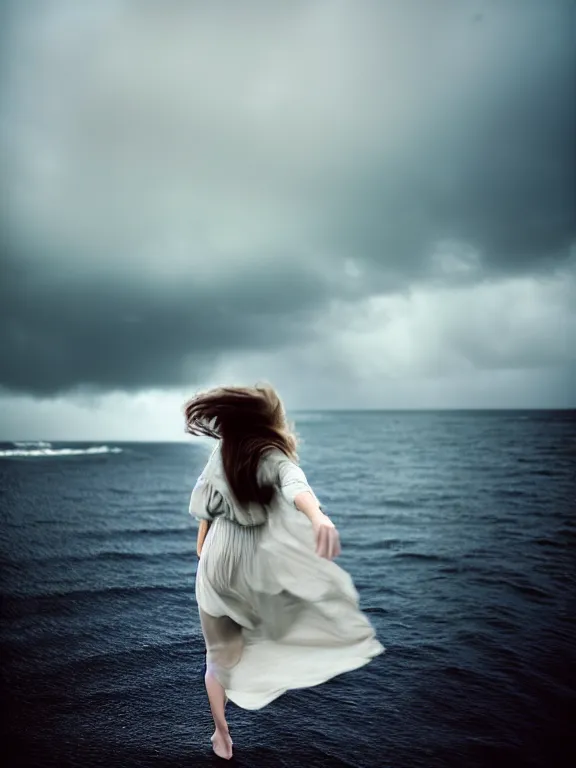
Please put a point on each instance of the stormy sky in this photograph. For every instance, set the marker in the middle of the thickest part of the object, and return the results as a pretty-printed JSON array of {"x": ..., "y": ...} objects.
[{"x": 369, "y": 203}]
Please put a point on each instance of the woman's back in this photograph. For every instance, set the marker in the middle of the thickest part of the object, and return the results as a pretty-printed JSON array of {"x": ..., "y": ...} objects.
[{"x": 213, "y": 497}]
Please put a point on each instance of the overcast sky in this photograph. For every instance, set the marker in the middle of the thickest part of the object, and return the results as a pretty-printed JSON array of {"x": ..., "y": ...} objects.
[{"x": 367, "y": 203}]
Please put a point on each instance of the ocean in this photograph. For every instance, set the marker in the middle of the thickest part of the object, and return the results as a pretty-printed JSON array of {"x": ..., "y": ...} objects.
[{"x": 458, "y": 528}]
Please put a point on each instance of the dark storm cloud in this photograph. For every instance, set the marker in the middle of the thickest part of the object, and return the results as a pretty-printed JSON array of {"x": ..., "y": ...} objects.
[
  {"x": 57, "y": 332},
  {"x": 180, "y": 185},
  {"x": 499, "y": 176}
]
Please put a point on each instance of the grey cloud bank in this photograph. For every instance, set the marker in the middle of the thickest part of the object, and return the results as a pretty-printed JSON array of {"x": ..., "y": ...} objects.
[{"x": 374, "y": 189}]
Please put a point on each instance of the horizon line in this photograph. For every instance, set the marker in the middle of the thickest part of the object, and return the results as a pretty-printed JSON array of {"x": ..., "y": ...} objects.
[{"x": 186, "y": 438}]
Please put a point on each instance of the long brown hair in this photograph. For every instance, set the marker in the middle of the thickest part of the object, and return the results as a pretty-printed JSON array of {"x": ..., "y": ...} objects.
[{"x": 249, "y": 421}]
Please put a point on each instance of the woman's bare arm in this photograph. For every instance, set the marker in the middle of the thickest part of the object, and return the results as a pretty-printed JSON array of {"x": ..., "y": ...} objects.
[
  {"x": 307, "y": 503},
  {"x": 327, "y": 537}
]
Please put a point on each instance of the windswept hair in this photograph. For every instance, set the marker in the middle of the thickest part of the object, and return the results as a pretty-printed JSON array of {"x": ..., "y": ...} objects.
[{"x": 249, "y": 421}]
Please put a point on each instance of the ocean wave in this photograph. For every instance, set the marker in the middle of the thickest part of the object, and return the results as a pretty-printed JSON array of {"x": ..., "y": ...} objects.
[
  {"x": 109, "y": 532},
  {"x": 427, "y": 556},
  {"x": 107, "y": 556},
  {"x": 47, "y": 450},
  {"x": 45, "y": 597}
]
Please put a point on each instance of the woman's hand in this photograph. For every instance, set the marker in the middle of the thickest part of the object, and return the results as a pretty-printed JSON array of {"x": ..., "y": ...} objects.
[{"x": 327, "y": 537}]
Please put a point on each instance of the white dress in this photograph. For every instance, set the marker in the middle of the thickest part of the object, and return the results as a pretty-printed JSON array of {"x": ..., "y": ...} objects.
[{"x": 275, "y": 616}]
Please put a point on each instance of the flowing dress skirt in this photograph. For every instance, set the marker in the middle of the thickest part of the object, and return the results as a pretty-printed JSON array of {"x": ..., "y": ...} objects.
[{"x": 274, "y": 615}]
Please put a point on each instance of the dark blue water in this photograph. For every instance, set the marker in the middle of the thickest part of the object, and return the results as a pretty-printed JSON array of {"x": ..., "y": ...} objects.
[{"x": 458, "y": 528}]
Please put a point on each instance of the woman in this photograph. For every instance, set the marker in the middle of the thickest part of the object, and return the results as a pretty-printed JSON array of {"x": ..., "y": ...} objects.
[{"x": 276, "y": 612}]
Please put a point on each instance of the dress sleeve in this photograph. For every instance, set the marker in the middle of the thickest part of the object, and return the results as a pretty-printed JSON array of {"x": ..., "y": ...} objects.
[
  {"x": 198, "y": 507},
  {"x": 292, "y": 480},
  {"x": 206, "y": 501}
]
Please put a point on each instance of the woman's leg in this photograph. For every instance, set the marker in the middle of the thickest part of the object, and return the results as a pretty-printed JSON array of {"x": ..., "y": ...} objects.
[
  {"x": 221, "y": 741},
  {"x": 223, "y": 650}
]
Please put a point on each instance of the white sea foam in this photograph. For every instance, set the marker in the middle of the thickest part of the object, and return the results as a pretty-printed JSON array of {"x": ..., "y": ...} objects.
[{"x": 46, "y": 450}]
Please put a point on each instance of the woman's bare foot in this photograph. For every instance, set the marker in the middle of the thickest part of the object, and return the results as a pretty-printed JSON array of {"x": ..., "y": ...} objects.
[{"x": 222, "y": 744}]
